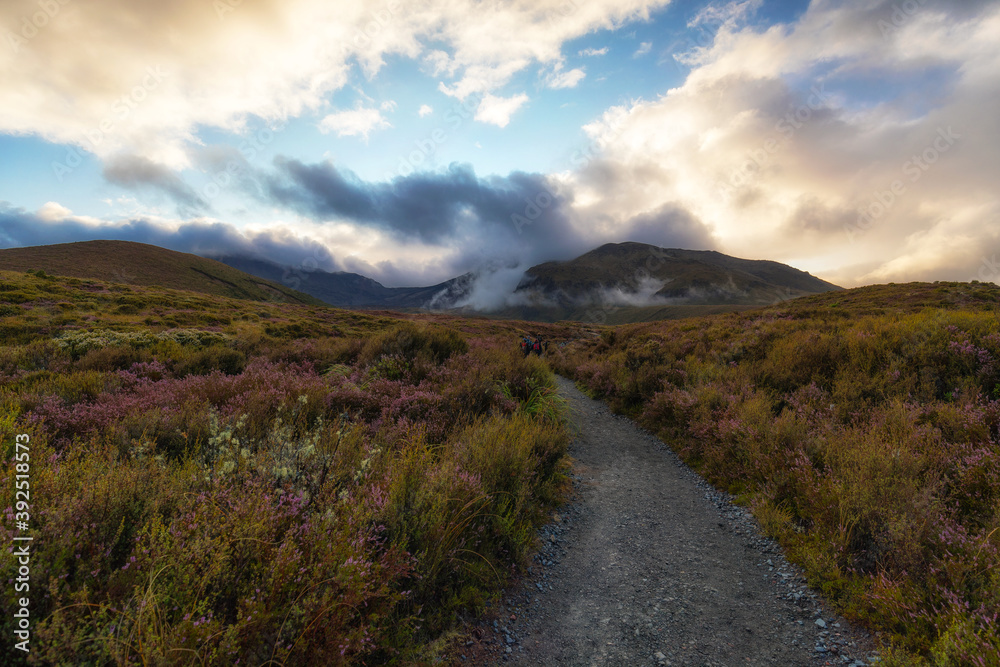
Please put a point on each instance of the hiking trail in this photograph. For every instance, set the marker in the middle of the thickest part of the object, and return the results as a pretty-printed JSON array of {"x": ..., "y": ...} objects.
[{"x": 649, "y": 565}]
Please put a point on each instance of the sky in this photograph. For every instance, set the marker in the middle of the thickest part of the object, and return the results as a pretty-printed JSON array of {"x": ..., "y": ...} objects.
[{"x": 416, "y": 141}]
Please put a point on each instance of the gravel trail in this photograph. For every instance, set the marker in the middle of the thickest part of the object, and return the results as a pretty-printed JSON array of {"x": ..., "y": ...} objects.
[{"x": 650, "y": 565}]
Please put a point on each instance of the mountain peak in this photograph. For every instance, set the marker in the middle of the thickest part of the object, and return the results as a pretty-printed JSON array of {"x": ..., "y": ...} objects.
[{"x": 632, "y": 273}]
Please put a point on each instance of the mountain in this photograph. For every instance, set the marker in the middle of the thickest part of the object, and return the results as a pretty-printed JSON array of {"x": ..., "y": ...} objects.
[
  {"x": 618, "y": 282},
  {"x": 637, "y": 274},
  {"x": 639, "y": 282},
  {"x": 352, "y": 290},
  {"x": 142, "y": 264}
]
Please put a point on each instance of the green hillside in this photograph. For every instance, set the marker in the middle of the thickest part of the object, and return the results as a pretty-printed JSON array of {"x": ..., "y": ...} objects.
[{"x": 142, "y": 264}]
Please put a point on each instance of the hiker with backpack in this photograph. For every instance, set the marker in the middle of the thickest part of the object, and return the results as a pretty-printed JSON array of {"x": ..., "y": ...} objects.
[{"x": 536, "y": 345}]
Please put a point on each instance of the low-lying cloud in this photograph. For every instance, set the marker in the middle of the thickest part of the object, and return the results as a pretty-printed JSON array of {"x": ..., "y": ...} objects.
[{"x": 138, "y": 172}]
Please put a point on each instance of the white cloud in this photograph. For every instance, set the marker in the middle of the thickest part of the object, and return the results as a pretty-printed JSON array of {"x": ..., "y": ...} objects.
[
  {"x": 644, "y": 48},
  {"x": 119, "y": 76},
  {"x": 724, "y": 14},
  {"x": 425, "y": 110},
  {"x": 488, "y": 53},
  {"x": 559, "y": 79},
  {"x": 388, "y": 105},
  {"x": 354, "y": 123},
  {"x": 498, "y": 110},
  {"x": 593, "y": 52},
  {"x": 51, "y": 211}
]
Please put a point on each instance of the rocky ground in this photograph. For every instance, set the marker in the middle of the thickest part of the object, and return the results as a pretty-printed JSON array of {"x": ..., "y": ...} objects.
[{"x": 649, "y": 565}]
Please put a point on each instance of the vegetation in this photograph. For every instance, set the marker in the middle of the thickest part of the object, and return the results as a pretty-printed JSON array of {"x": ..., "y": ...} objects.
[
  {"x": 228, "y": 482},
  {"x": 216, "y": 481},
  {"x": 613, "y": 314},
  {"x": 862, "y": 427}
]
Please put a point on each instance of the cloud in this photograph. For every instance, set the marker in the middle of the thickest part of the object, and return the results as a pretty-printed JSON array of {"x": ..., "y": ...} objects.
[
  {"x": 559, "y": 79},
  {"x": 139, "y": 173},
  {"x": 116, "y": 76},
  {"x": 644, "y": 48},
  {"x": 593, "y": 52},
  {"x": 51, "y": 211},
  {"x": 779, "y": 144},
  {"x": 425, "y": 110},
  {"x": 417, "y": 230},
  {"x": 439, "y": 225},
  {"x": 488, "y": 53},
  {"x": 724, "y": 14},
  {"x": 354, "y": 123},
  {"x": 446, "y": 206},
  {"x": 668, "y": 227},
  {"x": 491, "y": 288},
  {"x": 498, "y": 110},
  {"x": 427, "y": 207}
]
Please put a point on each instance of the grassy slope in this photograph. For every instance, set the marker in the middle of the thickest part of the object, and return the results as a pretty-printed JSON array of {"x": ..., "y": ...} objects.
[{"x": 141, "y": 264}]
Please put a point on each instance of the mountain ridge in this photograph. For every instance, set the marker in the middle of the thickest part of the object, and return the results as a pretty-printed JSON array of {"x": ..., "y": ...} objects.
[
  {"x": 626, "y": 281},
  {"x": 343, "y": 288}
]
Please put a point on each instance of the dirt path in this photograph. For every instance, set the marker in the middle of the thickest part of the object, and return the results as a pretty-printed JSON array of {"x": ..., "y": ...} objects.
[{"x": 649, "y": 565}]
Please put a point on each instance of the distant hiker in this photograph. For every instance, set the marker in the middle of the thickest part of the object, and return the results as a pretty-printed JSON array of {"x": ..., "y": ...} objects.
[
  {"x": 536, "y": 347},
  {"x": 525, "y": 346}
]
